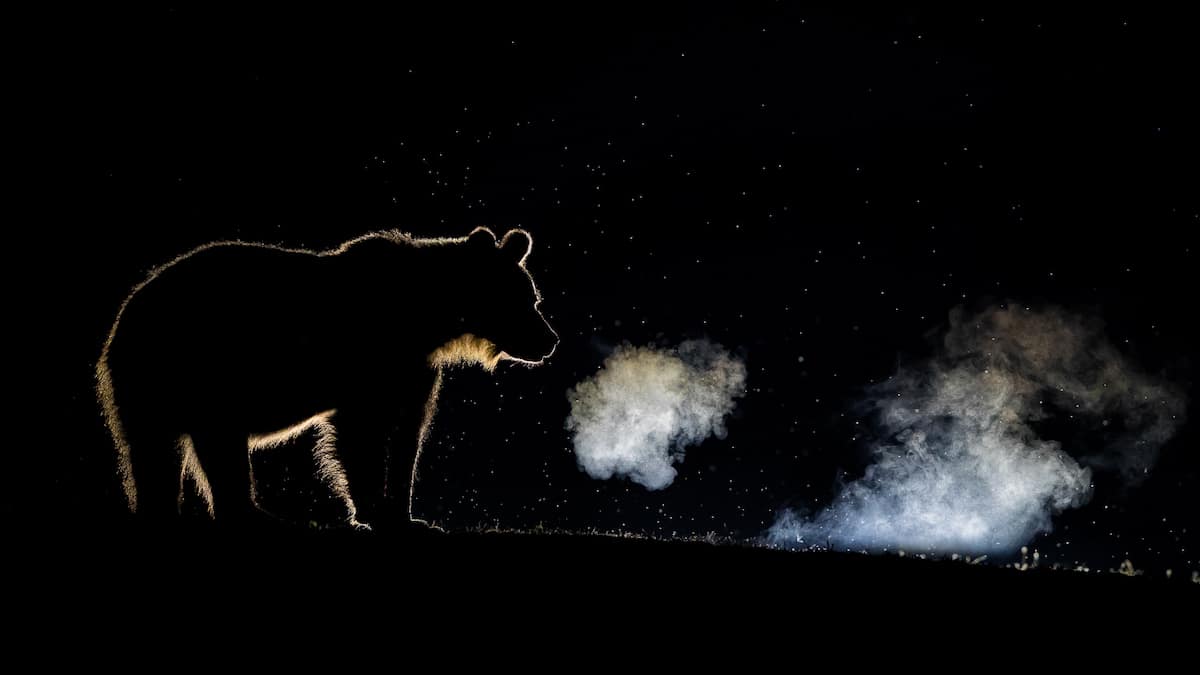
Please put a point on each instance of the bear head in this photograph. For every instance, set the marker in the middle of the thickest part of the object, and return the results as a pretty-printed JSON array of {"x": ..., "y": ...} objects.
[{"x": 505, "y": 310}]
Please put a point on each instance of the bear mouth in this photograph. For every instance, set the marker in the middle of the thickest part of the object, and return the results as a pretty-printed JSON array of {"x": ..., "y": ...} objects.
[{"x": 505, "y": 356}]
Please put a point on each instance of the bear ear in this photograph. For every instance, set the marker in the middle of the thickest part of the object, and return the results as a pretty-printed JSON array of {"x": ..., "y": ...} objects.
[
  {"x": 481, "y": 237},
  {"x": 516, "y": 245}
]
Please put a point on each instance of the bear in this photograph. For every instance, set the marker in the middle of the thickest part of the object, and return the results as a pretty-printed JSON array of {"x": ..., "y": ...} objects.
[{"x": 236, "y": 346}]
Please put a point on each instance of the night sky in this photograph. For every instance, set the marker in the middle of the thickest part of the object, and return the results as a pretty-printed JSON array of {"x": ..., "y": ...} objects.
[{"x": 816, "y": 192}]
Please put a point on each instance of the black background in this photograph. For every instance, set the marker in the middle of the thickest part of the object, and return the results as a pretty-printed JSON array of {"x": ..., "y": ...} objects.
[{"x": 788, "y": 182}]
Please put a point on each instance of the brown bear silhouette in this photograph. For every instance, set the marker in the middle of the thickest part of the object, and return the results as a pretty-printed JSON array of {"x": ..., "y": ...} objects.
[{"x": 238, "y": 346}]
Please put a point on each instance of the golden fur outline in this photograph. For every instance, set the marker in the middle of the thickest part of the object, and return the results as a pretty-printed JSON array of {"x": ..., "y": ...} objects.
[
  {"x": 189, "y": 467},
  {"x": 465, "y": 350},
  {"x": 329, "y": 465},
  {"x": 422, "y": 435}
]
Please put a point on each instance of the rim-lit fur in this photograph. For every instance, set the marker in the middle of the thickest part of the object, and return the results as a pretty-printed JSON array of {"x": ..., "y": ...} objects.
[{"x": 462, "y": 351}]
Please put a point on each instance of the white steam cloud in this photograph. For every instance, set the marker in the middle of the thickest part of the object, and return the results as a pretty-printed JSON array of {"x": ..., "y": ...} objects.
[
  {"x": 964, "y": 468},
  {"x": 636, "y": 416}
]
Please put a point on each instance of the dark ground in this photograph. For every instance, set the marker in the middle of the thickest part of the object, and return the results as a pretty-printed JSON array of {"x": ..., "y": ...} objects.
[{"x": 580, "y": 593}]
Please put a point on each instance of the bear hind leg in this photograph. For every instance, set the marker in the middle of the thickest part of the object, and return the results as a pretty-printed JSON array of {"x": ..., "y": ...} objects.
[
  {"x": 224, "y": 458},
  {"x": 156, "y": 461},
  {"x": 191, "y": 472}
]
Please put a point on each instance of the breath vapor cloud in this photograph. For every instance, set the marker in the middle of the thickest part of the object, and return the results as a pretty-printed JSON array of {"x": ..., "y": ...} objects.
[
  {"x": 963, "y": 466},
  {"x": 638, "y": 414}
]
